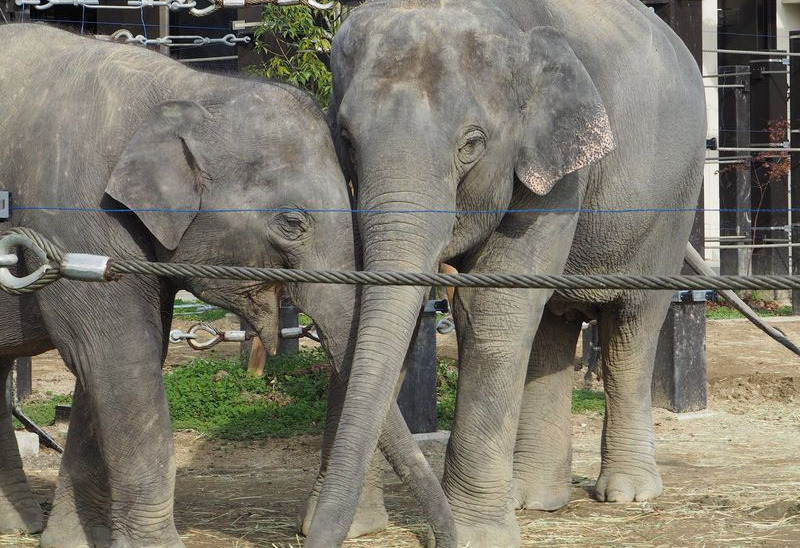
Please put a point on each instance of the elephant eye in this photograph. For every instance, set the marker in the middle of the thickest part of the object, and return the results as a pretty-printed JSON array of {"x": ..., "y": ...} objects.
[
  {"x": 472, "y": 147},
  {"x": 290, "y": 225}
]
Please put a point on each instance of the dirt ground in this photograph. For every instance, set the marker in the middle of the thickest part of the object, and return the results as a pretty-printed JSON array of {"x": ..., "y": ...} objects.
[{"x": 731, "y": 474}]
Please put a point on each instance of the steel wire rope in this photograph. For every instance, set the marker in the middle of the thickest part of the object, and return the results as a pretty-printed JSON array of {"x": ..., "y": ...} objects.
[{"x": 117, "y": 267}]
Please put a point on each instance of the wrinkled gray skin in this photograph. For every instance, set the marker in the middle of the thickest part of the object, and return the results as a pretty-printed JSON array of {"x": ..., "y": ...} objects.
[
  {"x": 89, "y": 124},
  {"x": 513, "y": 104}
]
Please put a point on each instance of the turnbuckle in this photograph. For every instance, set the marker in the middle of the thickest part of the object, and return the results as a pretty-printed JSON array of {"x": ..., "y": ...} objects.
[{"x": 191, "y": 338}]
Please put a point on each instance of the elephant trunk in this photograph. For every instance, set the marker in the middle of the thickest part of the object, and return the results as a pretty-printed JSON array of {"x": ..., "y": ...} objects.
[{"x": 394, "y": 239}]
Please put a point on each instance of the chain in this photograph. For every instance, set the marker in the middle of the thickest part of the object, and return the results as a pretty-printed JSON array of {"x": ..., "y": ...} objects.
[
  {"x": 65, "y": 266},
  {"x": 217, "y": 4}
]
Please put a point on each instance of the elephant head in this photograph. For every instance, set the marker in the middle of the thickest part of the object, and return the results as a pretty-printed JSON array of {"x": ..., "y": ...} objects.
[
  {"x": 442, "y": 110},
  {"x": 245, "y": 182}
]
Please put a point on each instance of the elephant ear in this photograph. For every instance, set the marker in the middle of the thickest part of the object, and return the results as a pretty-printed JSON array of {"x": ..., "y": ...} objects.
[
  {"x": 565, "y": 125},
  {"x": 159, "y": 169}
]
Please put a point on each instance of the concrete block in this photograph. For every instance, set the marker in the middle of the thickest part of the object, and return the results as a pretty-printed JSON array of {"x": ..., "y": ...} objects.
[
  {"x": 433, "y": 440},
  {"x": 28, "y": 443},
  {"x": 706, "y": 413}
]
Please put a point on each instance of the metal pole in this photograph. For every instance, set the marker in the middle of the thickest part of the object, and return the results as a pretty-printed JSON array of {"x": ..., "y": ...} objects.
[
  {"x": 780, "y": 54},
  {"x": 163, "y": 27}
]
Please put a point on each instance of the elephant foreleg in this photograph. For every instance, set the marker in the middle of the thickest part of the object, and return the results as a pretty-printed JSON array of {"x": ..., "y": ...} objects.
[
  {"x": 495, "y": 334},
  {"x": 117, "y": 358},
  {"x": 80, "y": 516},
  {"x": 19, "y": 510},
  {"x": 629, "y": 334},
  {"x": 371, "y": 515},
  {"x": 543, "y": 451}
]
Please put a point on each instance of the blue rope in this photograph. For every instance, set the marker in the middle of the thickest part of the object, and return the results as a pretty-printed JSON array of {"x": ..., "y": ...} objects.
[{"x": 408, "y": 211}]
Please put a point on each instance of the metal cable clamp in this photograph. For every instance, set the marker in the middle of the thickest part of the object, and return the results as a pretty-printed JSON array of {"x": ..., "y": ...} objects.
[{"x": 309, "y": 332}]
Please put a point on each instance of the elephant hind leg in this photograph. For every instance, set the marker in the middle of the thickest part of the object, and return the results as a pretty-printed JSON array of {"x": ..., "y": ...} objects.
[
  {"x": 629, "y": 333},
  {"x": 543, "y": 450},
  {"x": 19, "y": 510}
]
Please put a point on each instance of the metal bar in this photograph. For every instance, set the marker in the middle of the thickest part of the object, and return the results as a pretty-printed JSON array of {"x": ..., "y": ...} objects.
[
  {"x": 210, "y": 59},
  {"x": 244, "y": 25},
  {"x": 752, "y": 52},
  {"x": 163, "y": 27},
  {"x": 754, "y": 246},
  {"x": 748, "y": 73},
  {"x": 775, "y": 72},
  {"x": 772, "y": 149},
  {"x": 721, "y": 86}
]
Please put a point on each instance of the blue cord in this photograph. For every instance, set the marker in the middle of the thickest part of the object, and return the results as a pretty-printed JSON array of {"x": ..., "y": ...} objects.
[{"x": 409, "y": 211}]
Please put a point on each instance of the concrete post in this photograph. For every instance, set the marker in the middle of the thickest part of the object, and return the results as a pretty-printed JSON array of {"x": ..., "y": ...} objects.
[
  {"x": 417, "y": 397},
  {"x": 679, "y": 378}
]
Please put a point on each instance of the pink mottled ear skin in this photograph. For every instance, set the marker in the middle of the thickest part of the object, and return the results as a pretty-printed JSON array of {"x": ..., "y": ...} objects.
[{"x": 591, "y": 143}]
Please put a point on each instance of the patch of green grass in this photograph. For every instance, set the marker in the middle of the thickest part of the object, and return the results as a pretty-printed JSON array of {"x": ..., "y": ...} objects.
[
  {"x": 188, "y": 315},
  {"x": 723, "y": 311},
  {"x": 217, "y": 398},
  {"x": 43, "y": 412},
  {"x": 446, "y": 382},
  {"x": 588, "y": 401}
]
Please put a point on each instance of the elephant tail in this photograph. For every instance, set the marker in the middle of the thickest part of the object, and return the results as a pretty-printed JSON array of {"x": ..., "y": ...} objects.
[{"x": 696, "y": 263}]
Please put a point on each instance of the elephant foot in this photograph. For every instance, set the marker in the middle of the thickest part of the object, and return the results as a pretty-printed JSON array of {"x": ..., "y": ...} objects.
[
  {"x": 148, "y": 543},
  {"x": 615, "y": 485},
  {"x": 19, "y": 511},
  {"x": 371, "y": 516},
  {"x": 65, "y": 530},
  {"x": 487, "y": 535},
  {"x": 68, "y": 528},
  {"x": 534, "y": 496}
]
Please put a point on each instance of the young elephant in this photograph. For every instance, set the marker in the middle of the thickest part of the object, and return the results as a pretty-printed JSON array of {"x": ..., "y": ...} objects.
[{"x": 100, "y": 160}]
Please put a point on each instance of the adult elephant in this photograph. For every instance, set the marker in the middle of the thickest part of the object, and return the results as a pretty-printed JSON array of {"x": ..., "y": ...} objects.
[
  {"x": 100, "y": 158},
  {"x": 505, "y": 136}
]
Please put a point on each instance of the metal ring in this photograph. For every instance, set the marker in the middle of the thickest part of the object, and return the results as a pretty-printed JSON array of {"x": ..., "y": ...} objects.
[
  {"x": 7, "y": 245},
  {"x": 211, "y": 330},
  {"x": 445, "y": 326}
]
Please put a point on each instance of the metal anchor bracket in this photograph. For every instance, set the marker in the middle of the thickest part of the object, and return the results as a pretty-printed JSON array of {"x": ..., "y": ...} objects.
[
  {"x": 8, "y": 244},
  {"x": 5, "y": 205}
]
